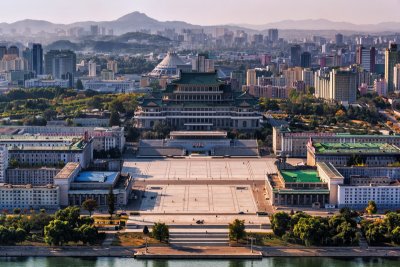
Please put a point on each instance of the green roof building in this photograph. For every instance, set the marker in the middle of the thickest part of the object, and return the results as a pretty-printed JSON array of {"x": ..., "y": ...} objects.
[
  {"x": 199, "y": 102},
  {"x": 353, "y": 154}
]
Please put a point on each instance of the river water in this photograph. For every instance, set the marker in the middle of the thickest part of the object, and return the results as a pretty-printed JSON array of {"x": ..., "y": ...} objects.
[{"x": 127, "y": 262}]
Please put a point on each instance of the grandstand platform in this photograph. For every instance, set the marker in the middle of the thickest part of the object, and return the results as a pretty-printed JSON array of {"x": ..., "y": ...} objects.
[{"x": 211, "y": 144}]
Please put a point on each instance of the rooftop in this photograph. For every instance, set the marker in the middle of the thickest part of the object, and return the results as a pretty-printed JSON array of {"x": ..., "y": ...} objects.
[
  {"x": 28, "y": 138},
  {"x": 96, "y": 177},
  {"x": 193, "y": 133},
  {"x": 73, "y": 147},
  {"x": 330, "y": 170},
  {"x": 198, "y": 78},
  {"x": 300, "y": 176},
  {"x": 359, "y": 148},
  {"x": 66, "y": 172}
]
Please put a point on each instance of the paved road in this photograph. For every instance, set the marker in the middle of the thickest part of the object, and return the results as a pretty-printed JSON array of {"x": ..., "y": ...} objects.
[
  {"x": 329, "y": 252},
  {"x": 390, "y": 117}
]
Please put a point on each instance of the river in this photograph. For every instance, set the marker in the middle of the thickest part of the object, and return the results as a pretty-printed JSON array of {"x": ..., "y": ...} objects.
[{"x": 128, "y": 262}]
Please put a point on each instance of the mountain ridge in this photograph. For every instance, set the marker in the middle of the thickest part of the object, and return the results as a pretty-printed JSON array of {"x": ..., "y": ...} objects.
[{"x": 139, "y": 21}]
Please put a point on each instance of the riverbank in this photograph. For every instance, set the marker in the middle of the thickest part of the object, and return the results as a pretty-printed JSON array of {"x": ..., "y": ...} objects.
[
  {"x": 336, "y": 252},
  {"x": 198, "y": 252},
  {"x": 67, "y": 251}
]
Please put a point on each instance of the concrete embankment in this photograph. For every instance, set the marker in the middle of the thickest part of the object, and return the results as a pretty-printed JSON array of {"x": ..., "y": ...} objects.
[
  {"x": 344, "y": 252},
  {"x": 36, "y": 251},
  {"x": 197, "y": 252}
]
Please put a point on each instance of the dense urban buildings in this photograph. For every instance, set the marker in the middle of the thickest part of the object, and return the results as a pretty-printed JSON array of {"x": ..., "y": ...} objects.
[
  {"x": 391, "y": 59},
  {"x": 183, "y": 119}
]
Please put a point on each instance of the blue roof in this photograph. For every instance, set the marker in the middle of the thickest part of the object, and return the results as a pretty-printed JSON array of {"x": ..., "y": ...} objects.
[{"x": 96, "y": 177}]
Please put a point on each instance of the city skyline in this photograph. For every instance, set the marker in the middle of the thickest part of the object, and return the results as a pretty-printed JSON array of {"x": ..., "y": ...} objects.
[{"x": 255, "y": 12}]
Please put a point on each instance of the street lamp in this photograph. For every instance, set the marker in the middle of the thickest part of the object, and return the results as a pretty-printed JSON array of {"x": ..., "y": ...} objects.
[{"x": 251, "y": 243}]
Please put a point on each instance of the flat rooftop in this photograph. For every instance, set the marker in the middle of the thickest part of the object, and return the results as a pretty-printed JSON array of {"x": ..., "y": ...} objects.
[
  {"x": 68, "y": 169},
  {"x": 199, "y": 133},
  {"x": 80, "y": 145},
  {"x": 300, "y": 176},
  {"x": 30, "y": 137},
  {"x": 96, "y": 177},
  {"x": 359, "y": 148}
]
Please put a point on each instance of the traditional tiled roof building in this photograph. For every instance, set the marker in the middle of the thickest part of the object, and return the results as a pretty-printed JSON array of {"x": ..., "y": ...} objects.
[{"x": 199, "y": 102}]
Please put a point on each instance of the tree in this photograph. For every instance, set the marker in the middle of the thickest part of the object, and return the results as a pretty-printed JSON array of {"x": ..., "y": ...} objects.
[
  {"x": 90, "y": 205},
  {"x": 88, "y": 234},
  {"x": 17, "y": 211},
  {"x": 20, "y": 235},
  {"x": 146, "y": 230},
  {"x": 115, "y": 119},
  {"x": 71, "y": 215},
  {"x": 371, "y": 208},
  {"x": 311, "y": 231},
  {"x": 160, "y": 231},
  {"x": 346, "y": 234},
  {"x": 280, "y": 223},
  {"x": 396, "y": 235},
  {"x": 111, "y": 202},
  {"x": 39, "y": 221},
  {"x": 57, "y": 233},
  {"x": 79, "y": 84},
  {"x": 5, "y": 236},
  {"x": 375, "y": 232},
  {"x": 392, "y": 221},
  {"x": 237, "y": 230}
]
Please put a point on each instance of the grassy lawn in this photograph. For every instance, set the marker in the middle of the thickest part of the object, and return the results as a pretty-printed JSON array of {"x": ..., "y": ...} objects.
[{"x": 132, "y": 240}]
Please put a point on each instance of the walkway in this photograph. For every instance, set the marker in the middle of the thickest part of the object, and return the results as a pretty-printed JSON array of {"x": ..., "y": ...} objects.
[{"x": 197, "y": 253}]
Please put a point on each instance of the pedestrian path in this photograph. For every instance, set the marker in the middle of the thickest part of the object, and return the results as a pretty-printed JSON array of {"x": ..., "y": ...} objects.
[{"x": 108, "y": 240}]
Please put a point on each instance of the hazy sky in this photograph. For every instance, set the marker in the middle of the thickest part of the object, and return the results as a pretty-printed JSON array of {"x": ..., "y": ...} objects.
[{"x": 204, "y": 12}]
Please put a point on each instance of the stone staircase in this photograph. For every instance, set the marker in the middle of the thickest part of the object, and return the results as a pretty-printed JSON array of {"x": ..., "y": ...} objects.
[{"x": 196, "y": 237}]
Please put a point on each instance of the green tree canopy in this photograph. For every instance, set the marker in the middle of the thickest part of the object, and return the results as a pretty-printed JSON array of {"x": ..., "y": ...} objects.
[
  {"x": 90, "y": 205},
  {"x": 237, "y": 230},
  {"x": 160, "y": 232}
]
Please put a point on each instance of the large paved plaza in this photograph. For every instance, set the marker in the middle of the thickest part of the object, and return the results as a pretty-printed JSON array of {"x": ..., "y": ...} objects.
[
  {"x": 198, "y": 199},
  {"x": 200, "y": 169}
]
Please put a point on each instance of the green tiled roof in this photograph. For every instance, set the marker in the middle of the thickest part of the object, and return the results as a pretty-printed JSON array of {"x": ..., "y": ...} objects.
[
  {"x": 351, "y": 148},
  {"x": 300, "y": 176},
  {"x": 302, "y": 192},
  {"x": 210, "y": 78}
]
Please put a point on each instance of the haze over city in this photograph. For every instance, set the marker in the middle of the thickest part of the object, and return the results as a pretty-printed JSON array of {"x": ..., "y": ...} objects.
[{"x": 206, "y": 12}]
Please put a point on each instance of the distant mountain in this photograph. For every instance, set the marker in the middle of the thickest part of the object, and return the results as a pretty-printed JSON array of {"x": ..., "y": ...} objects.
[
  {"x": 324, "y": 24},
  {"x": 138, "y": 21},
  {"x": 134, "y": 42},
  {"x": 131, "y": 22}
]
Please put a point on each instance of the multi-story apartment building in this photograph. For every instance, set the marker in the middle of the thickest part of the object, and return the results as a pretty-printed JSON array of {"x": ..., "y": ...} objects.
[
  {"x": 392, "y": 57},
  {"x": 336, "y": 85},
  {"x": 348, "y": 154},
  {"x": 3, "y": 162},
  {"x": 81, "y": 151},
  {"x": 354, "y": 187},
  {"x": 396, "y": 77},
  {"x": 294, "y": 144},
  {"x": 268, "y": 91},
  {"x": 37, "y": 177},
  {"x": 199, "y": 101},
  {"x": 103, "y": 138},
  {"x": 109, "y": 86},
  {"x": 28, "y": 196},
  {"x": 60, "y": 64},
  {"x": 366, "y": 58}
]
